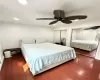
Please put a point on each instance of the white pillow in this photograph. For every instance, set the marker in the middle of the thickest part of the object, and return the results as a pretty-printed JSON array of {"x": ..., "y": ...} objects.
[
  {"x": 28, "y": 41},
  {"x": 41, "y": 40}
]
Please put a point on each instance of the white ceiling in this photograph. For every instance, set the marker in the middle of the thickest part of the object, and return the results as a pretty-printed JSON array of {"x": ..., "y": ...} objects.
[{"x": 27, "y": 14}]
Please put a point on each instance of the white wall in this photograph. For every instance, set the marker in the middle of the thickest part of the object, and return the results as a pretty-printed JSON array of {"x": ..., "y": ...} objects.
[
  {"x": 1, "y": 51},
  {"x": 10, "y": 34},
  {"x": 1, "y": 56}
]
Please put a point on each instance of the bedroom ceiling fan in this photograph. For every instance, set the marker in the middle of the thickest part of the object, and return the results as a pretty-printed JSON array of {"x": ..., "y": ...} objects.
[
  {"x": 59, "y": 15},
  {"x": 93, "y": 28}
]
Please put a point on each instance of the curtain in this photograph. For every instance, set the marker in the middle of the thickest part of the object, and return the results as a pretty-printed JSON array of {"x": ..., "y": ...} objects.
[
  {"x": 98, "y": 52},
  {"x": 98, "y": 49}
]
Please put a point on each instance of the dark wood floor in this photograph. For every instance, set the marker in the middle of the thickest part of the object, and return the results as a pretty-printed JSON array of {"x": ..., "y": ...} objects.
[{"x": 82, "y": 68}]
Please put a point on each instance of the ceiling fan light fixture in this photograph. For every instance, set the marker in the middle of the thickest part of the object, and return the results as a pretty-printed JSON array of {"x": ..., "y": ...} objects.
[{"x": 23, "y": 2}]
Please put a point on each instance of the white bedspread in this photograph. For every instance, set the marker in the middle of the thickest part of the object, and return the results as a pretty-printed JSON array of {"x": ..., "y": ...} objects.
[
  {"x": 84, "y": 44},
  {"x": 38, "y": 56}
]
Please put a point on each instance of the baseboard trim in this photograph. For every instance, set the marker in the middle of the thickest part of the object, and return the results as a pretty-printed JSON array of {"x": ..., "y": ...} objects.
[{"x": 1, "y": 63}]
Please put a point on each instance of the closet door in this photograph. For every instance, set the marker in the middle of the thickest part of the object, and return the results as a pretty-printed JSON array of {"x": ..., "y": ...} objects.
[
  {"x": 63, "y": 33},
  {"x": 63, "y": 37},
  {"x": 56, "y": 36}
]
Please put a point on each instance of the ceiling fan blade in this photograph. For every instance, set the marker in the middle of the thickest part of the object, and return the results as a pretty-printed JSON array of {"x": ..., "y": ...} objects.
[
  {"x": 66, "y": 21},
  {"x": 53, "y": 22},
  {"x": 76, "y": 17},
  {"x": 95, "y": 27},
  {"x": 45, "y": 19}
]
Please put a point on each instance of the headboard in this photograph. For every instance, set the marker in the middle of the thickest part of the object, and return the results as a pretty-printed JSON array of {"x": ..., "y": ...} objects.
[
  {"x": 32, "y": 41},
  {"x": 27, "y": 41},
  {"x": 40, "y": 40}
]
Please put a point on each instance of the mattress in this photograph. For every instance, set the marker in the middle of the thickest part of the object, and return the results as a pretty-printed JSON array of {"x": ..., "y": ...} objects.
[
  {"x": 40, "y": 56},
  {"x": 84, "y": 44}
]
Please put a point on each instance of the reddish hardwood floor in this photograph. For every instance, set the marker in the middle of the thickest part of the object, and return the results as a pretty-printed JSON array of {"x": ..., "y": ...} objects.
[
  {"x": 82, "y": 68},
  {"x": 86, "y": 53}
]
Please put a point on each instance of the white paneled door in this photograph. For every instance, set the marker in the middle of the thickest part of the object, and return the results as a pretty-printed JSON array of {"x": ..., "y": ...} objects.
[
  {"x": 56, "y": 36},
  {"x": 63, "y": 37},
  {"x": 63, "y": 33},
  {"x": 60, "y": 35}
]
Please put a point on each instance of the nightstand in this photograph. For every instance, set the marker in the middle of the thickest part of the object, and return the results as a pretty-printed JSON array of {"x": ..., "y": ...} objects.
[
  {"x": 60, "y": 44},
  {"x": 13, "y": 50}
]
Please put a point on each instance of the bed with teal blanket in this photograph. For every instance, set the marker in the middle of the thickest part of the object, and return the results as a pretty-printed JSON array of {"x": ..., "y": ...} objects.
[{"x": 43, "y": 56}]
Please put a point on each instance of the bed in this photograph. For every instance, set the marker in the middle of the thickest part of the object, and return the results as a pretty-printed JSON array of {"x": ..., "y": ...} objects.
[
  {"x": 44, "y": 56},
  {"x": 84, "y": 44}
]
